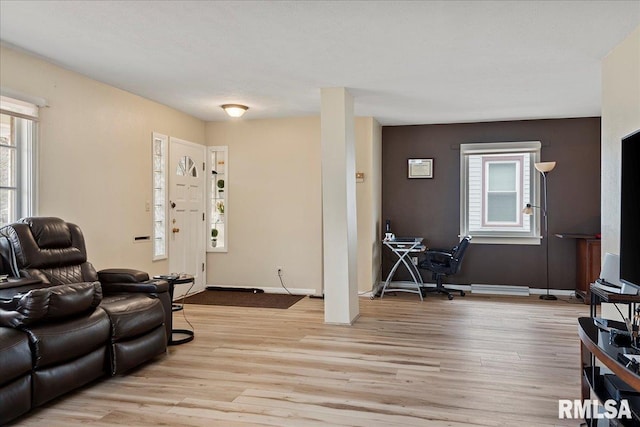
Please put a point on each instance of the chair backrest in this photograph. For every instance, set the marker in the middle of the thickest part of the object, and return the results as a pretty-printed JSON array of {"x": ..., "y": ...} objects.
[
  {"x": 48, "y": 249},
  {"x": 458, "y": 253}
]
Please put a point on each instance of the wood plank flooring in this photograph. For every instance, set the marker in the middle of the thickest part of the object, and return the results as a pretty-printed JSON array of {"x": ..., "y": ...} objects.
[{"x": 473, "y": 361}]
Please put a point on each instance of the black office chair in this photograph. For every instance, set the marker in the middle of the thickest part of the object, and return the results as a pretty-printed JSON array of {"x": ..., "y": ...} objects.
[{"x": 444, "y": 263}]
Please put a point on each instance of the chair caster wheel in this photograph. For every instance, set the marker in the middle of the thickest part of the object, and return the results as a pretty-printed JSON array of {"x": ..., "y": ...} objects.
[
  {"x": 450, "y": 296},
  {"x": 462, "y": 293}
]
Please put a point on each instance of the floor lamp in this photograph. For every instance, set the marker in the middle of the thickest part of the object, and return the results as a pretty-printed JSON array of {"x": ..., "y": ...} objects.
[{"x": 544, "y": 168}]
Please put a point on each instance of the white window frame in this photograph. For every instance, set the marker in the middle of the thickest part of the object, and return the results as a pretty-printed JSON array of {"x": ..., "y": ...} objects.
[
  {"x": 26, "y": 170},
  {"x": 524, "y": 231},
  {"x": 159, "y": 196}
]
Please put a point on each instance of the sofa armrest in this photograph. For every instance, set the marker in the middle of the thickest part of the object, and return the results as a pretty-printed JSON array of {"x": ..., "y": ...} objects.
[
  {"x": 130, "y": 280},
  {"x": 8, "y": 314},
  {"x": 122, "y": 275},
  {"x": 53, "y": 302},
  {"x": 148, "y": 287}
]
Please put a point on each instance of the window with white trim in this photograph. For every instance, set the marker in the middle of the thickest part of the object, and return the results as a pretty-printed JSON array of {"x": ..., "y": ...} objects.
[
  {"x": 159, "y": 158},
  {"x": 18, "y": 138},
  {"x": 218, "y": 187},
  {"x": 497, "y": 180}
]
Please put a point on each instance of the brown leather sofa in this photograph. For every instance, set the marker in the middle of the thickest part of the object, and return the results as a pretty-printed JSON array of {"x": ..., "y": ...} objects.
[{"x": 62, "y": 324}]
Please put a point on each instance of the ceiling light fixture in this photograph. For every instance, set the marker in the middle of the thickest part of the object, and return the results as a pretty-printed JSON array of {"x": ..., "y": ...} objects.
[{"x": 234, "y": 110}]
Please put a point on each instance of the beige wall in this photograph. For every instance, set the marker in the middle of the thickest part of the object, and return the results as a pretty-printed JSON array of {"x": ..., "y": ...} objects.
[
  {"x": 620, "y": 117},
  {"x": 274, "y": 204},
  {"x": 274, "y": 211},
  {"x": 95, "y": 156},
  {"x": 368, "y": 194}
]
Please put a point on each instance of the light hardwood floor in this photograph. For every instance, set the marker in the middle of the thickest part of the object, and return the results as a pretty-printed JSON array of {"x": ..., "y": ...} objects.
[{"x": 473, "y": 361}]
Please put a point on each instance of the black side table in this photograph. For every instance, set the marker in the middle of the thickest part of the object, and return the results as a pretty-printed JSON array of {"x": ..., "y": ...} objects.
[{"x": 174, "y": 279}]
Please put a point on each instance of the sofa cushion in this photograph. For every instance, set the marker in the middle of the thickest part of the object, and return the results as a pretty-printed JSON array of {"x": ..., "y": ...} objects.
[
  {"x": 16, "y": 398},
  {"x": 132, "y": 315},
  {"x": 128, "y": 354},
  {"x": 53, "y": 381},
  {"x": 57, "y": 342},
  {"x": 14, "y": 354}
]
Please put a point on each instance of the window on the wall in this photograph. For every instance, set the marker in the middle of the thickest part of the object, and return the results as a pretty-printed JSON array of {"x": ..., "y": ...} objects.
[
  {"x": 159, "y": 158},
  {"x": 218, "y": 188},
  {"x": 497, "y": 181},
  {"x": 18, "y": 137}
]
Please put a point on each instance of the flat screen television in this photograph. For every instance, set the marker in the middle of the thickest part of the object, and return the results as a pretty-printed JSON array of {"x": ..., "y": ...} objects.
[{"x": 630, "y": 211}]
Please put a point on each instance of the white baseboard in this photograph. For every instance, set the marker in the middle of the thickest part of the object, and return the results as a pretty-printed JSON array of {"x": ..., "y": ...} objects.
[
  {"x": 522, "y": 291},
  {"x": 473, "y": 288},
  {"x": 482, "y": 289},
  {"x": 277, "y": 290},
  {"x": 294, "y": 291}
]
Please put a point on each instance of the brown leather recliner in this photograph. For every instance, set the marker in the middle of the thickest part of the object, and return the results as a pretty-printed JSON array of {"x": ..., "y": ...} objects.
[{"x": 79, "y": 324}]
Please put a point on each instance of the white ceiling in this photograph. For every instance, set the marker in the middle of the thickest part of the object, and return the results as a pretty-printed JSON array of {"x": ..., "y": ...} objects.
[{"x": 409, "y": 62}]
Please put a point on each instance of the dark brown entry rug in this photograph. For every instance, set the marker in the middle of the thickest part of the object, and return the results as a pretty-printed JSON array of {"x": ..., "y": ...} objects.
[{"x": 243, "y": 299}]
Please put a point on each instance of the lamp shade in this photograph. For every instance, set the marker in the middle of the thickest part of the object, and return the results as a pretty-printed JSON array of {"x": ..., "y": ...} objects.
[
  {"x": 545, "y": 166},
  {"x": 528, "y": 210},
  {"x": 234, "y": 110}
]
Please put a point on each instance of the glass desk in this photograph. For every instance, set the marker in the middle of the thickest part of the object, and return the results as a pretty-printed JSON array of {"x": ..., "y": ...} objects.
[{"x": 403, "y": 247}]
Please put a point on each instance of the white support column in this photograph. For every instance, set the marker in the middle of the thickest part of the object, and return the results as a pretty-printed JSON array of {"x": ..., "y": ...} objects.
[{"x": 339, "y": 207}]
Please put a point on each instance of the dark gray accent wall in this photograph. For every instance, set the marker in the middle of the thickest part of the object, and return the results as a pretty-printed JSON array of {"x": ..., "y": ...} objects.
[{"x": 431, "y": 207}]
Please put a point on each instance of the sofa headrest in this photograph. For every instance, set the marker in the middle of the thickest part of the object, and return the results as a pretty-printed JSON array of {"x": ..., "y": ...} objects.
[
  {"x": 49, "y": 232},
  {"x": 45, "y": 243}
]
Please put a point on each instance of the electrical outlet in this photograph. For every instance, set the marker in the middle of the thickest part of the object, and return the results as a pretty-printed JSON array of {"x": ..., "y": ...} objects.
[{"x": 279, "y": 270}]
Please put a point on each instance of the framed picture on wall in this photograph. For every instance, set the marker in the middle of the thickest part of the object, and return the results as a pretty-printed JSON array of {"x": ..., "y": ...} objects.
[{"x": 420, "y": 168}]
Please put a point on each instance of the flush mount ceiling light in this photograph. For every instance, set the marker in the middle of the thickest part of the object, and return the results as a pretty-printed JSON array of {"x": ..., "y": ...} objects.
[{"x": 234, "y": 110}]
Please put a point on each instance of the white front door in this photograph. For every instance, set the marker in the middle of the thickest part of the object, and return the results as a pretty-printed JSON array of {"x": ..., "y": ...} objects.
[{"x": 186, "y": 212}]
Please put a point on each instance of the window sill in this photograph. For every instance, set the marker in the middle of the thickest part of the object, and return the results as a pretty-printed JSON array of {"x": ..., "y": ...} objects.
[{"x": 505, "y": 240}]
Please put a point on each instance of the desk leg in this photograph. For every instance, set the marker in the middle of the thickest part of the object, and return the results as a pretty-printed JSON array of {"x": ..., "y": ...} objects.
[
  {"x": 402, "y": 259},
  {"x": 391, "y": 273},
  {"x": 411, "y": 269}
]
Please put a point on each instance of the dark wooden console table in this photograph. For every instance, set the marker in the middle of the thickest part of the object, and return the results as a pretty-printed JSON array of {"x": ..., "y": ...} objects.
[
  {"x": 596, "y": 346},
  {"x": 587, "y": 262}
]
